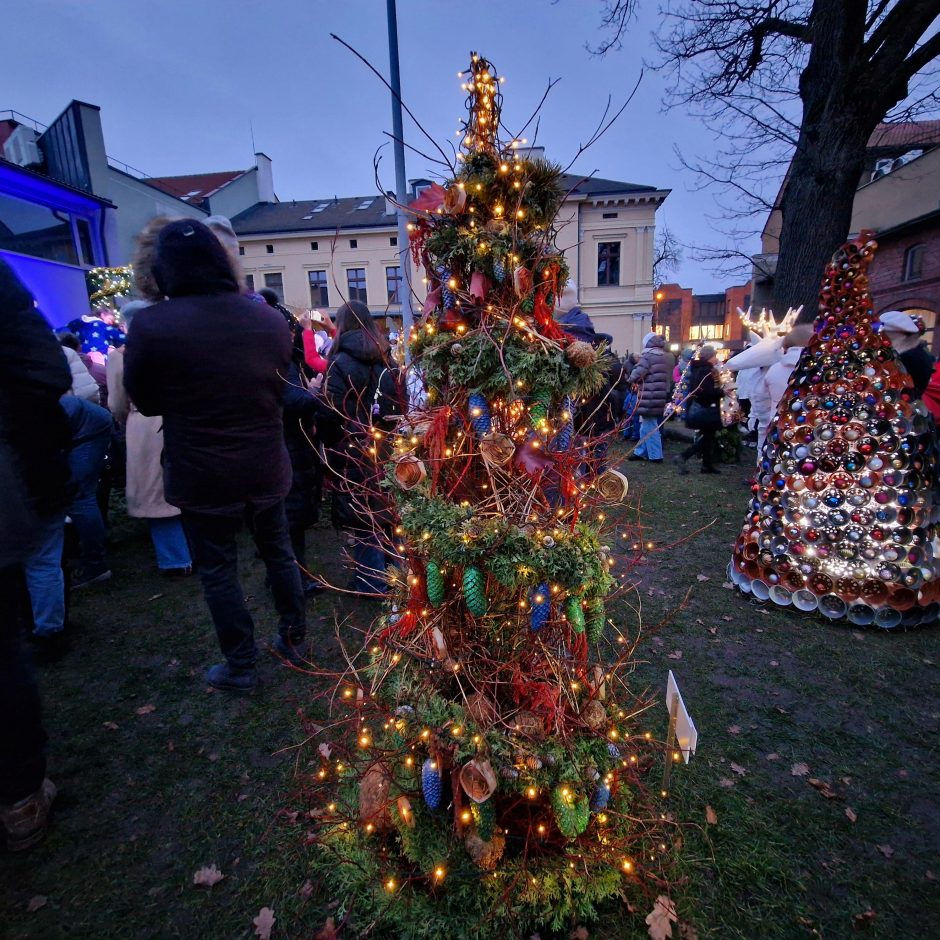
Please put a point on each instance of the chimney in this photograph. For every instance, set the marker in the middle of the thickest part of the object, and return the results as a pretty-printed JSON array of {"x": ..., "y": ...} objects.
[
  {"x": 390, "y": 207},
  {"x": 265, "y": 178}
]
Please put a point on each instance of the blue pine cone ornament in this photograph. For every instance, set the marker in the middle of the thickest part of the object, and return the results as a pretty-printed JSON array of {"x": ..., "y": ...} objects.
[
  {"x": 499, "y": 271},
  {"x": 562, "y": 440},
  {"x": 600, "y": 797},
  {"x": 479, "y": 414},
  {"x": 431, "y": 783},
  {"x": 541, "y": 601},
  {"x": 448, "y": 296}
]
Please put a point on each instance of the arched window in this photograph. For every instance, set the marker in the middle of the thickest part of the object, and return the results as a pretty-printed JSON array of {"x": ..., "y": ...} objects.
[{"x": 914, "y": 262}]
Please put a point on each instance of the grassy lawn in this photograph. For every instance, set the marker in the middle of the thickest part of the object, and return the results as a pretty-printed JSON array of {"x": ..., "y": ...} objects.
[{"x": 149, "y": 795}]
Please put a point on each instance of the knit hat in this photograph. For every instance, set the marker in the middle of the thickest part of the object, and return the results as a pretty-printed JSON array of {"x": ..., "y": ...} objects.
[
  {"x": 706, "y": 353},
  {"x": 649, "y": 336},
  {"x": 221, "y": 227}
]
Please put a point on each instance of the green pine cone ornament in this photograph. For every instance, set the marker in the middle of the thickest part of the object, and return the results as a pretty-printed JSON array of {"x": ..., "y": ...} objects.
[
  {"x": 435, "y": 584},
  {"x": 575, "y": 613},
  {"x": 538, "y": 410},
  {"x": 572, "y": 810},
  {"x": 596, "y": 620},
  {"x": 474, "y": 593},
  {"x": 484, "y": 818}
]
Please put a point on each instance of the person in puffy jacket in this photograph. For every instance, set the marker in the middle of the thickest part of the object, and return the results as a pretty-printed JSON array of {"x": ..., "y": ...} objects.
[
  {"x": 653, "y": 375},
  {"x": 212, "y": 363},
  {"x": 83, "y": 383},
  {"x": 362, "y": 391}
]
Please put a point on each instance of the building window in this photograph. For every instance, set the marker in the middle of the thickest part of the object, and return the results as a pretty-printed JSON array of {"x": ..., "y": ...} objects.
[
  {"x": 353, "y": 242},
  {"x": 83, "y": 230},
  {"x": 275, "y": 280},
  {"x": 36, "y": 230},
  {"x": 609, "y": 215},
  {"x": 269, "y": 249},
  {"x": 241, "y": 249},
  {"x": 393, "y": 241},
  {"x": 314, "y": 246},
  {"x": 319, "y": 292},
  {"x": 914, "y": 262},
  {"x": 662, "y": 331},
  {"x": 250, "y": 281},
  {"x": 393, "y": 284},
  {"x": 608, "y": 264},
  {"x": 356, "y": 283},
  {"x": 707, "y": 331}
]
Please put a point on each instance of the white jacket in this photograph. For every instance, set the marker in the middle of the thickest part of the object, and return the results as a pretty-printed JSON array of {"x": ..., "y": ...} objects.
[{"x": 83, "y": 385}]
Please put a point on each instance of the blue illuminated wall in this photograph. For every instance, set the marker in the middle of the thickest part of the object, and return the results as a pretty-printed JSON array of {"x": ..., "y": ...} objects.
[{"x": 58, "y": 288}]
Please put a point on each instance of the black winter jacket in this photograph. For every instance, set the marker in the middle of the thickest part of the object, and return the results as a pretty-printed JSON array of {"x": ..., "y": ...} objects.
[
  {"x": 34, "y": 435},
  {"x": 213, "y": 364}
]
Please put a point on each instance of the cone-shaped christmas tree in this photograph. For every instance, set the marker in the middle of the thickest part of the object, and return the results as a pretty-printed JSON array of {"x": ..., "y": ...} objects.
[
  {"x": 844, "y": 513},
  {"x": 495, "y": 774}
]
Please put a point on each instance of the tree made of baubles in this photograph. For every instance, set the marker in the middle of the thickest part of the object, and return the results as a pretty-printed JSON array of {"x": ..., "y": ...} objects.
[
  {"x": 844, "y": 514},
  {"x": 483, "y": 770}
]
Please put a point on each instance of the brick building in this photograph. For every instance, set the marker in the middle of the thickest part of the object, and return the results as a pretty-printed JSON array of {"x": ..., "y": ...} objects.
[
  {"x": 685, "y": 318},
  {"x": 905, "y": 273}
]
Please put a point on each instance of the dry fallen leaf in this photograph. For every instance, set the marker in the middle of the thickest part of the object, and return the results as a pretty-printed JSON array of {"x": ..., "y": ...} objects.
[
  {"x": 727, "y": 585},
  {"x": 711, "y": 817},
  {"x": 579, "y": 933},
  {"x": 774, "y": 662},
  {"x": 734, "y": 729},
  {"x": 863, "y": 920},
  {"x": 214, "y": 756},
  {"x": 713, "y": 631},
  {"x": 675, "y": 654},
  {"x": 325, "y": 750},
  {"x": 110, "y": 725},
  {"x": 726, "y": 617},
  {"x": 799, "y": 770},
  {"x": 207, "y": 876},
  {"x": 885, "y": 850},
  {"x": 35, "y": 903},
  {"x": 929, "y": 875},
  {"x": 264, "y": 923},
  {"x": 738, "y": 769},
  {"x": 702, "y": 577},
  {"x": 822, "y": 786},
  {"x": 661, "y": 918},
  {"x": 327, "y": 931},
  {"x": 155, "y": 597},
  {"x": 851, "y": 814},
  {"x": 146, "y": 709},
  {"x": 306, "y": 890},
  {"x": 726, "y": 782},
  {"x": 773, "y": 756},
  {"x": 688, "y": 932}
]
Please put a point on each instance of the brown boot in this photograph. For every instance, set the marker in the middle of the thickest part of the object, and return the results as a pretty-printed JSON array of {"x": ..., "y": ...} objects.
[{"x": 25, "y": 822}]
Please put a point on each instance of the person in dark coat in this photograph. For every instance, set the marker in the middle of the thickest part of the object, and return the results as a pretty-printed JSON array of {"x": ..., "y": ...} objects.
[
  {"x": 905, "y": 335},
  {"x": 703, "y": 415},
  {"x": 33, "y": 479},
  {"x": 213, "y": 363},
  {"x": 362, "y": 392},
  {"x": 653, "y": 375}
]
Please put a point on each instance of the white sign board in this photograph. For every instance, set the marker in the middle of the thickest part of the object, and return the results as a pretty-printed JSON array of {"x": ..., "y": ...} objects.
[{"x": 686, "y": 735}]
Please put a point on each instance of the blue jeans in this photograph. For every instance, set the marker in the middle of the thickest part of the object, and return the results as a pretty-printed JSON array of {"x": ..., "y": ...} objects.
[
  {"x": 86, "y": 461},
  {"x": 169, "y": 542},
  {"x": 370, "y": 565},
  {"x": 651, "y": 442},
  {"x": 215, "y": 550},
  {"x": 44, "y": 577}
]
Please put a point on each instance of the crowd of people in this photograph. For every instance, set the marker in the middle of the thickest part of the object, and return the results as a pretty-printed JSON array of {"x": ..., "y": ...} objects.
[{"x": 216, "y": 409}]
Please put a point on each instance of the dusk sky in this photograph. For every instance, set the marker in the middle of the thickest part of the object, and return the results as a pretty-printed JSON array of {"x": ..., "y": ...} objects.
[{"x": 181, "y": 83}]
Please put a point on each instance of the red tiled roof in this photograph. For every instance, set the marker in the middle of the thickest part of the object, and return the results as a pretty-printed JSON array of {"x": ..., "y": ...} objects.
[
  {"x": 196, "y": 186},
  {"x": 911, "y": 134}
]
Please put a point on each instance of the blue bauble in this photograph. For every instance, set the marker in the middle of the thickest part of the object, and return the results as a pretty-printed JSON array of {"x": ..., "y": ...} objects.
[
  {"x": 600, "y": 797},
  {"x": 431, "y": 783},
  {"x": 540, "y": 609},
  {"x": 481, "y": 422},
  {"x": 562, "y": 440}
]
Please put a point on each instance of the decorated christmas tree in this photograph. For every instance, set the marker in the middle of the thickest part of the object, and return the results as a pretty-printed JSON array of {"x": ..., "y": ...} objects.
[
  {"x": 843, "y": 518},
  {"x": 484, "y": 768}
]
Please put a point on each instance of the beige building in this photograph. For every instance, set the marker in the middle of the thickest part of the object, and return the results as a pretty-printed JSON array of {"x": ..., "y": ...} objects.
[{"x": 319, "y": 253}]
